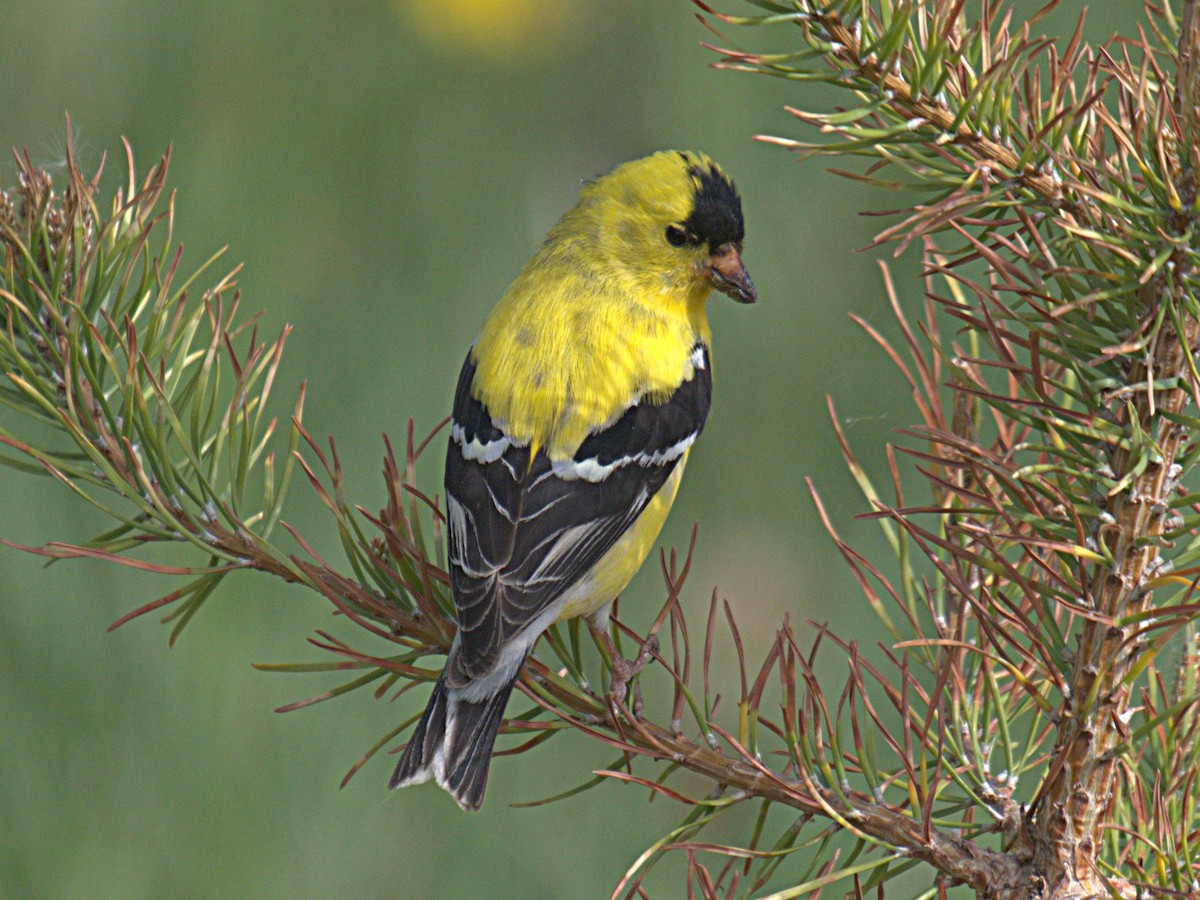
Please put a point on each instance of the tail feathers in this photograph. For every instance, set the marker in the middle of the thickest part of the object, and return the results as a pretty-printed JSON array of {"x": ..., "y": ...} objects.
[
  {"x": 453, "y": 744},
  {"x": 422, "y": 755}
]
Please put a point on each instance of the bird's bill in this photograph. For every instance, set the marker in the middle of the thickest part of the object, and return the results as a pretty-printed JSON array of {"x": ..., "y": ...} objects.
[{"x": 728, "y": 274}]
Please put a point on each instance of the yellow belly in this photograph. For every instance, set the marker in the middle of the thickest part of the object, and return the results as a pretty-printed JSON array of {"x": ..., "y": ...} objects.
[{"x": 616, "y": 567}]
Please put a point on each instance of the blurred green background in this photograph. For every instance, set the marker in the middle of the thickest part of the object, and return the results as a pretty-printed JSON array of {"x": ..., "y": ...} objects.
[{"x": 383, "y": 169}]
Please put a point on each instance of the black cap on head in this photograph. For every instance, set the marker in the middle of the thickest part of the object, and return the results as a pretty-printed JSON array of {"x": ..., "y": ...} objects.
[{"x": 716, "y": 216}]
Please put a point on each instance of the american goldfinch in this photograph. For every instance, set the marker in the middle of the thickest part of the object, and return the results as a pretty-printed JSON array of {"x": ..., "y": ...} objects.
[{"x": 575, "y": 413}]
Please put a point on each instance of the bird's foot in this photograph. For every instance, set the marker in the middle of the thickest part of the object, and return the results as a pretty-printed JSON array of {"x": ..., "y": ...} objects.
[{"x": 625, "y": 670}]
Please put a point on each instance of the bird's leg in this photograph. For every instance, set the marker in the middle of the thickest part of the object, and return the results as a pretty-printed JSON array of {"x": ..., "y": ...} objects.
[
  {"x": 624, "y": 670},
  {"x": 631, "y": 668},
  {"x": 639, "y": 704}
]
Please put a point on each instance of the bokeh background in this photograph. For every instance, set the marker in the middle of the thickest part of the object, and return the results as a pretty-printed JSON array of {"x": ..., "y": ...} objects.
[{"x": 383, "y": 169}]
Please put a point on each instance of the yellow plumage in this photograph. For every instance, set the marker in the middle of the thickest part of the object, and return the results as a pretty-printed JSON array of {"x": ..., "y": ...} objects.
[
  {"x": 604, "y": 311},
  {"x": 575, "y": 414}
]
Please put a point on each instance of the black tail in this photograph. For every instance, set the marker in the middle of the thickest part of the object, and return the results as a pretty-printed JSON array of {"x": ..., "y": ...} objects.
[
  {"x": 416, "y": 765},
  {"x": 453, "y": 744}
]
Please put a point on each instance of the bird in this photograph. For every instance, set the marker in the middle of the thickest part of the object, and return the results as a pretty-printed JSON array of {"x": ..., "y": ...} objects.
[{"x": 573, "y": 418}]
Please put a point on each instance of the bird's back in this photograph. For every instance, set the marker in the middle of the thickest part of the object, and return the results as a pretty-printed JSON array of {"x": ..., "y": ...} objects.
[{"x": 572, "y": 345}]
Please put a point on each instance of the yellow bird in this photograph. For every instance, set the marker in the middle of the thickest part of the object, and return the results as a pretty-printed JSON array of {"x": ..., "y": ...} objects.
[{"x": 574, "y": 415}]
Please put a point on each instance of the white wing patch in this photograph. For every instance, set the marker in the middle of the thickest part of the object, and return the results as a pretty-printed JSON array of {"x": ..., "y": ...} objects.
[
  {"x": 595, "y": 471},
  {"x": 476, "y": 450}
]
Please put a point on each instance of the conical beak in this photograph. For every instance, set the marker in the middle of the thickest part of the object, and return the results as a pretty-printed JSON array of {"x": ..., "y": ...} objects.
[{"x": 728, "y": 274}]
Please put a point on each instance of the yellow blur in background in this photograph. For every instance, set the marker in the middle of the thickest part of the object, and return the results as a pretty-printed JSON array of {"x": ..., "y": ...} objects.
[
  {"x": 493, "y": 28},
  {"x": 383, "y": 169}
]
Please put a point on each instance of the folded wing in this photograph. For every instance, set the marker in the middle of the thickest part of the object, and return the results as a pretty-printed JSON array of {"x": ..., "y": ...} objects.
[{"x": 523, "y": 532}]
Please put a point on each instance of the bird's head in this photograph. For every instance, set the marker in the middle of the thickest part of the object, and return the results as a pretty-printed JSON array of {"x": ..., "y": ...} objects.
[{"x": 671, "y": 220}]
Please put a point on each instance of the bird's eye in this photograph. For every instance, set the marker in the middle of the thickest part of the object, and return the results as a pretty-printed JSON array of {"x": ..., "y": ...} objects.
[{"x": 676, "y": 236}]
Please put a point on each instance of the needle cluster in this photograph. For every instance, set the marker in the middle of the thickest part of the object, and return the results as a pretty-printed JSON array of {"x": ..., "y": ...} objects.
[{"x": 1031, "y": 727}]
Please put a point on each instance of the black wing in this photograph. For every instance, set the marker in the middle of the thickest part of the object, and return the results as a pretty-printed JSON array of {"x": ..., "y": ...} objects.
[{"x": 521, "y": 534}]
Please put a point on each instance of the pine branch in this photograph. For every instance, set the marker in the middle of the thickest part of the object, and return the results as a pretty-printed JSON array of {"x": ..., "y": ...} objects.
[
  {"x": 1017, "y": 735},
  {"x": 117, "y": 364},
  {"x": 1059, "y": 463},
  {"x": 1073, "y": 804}
]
